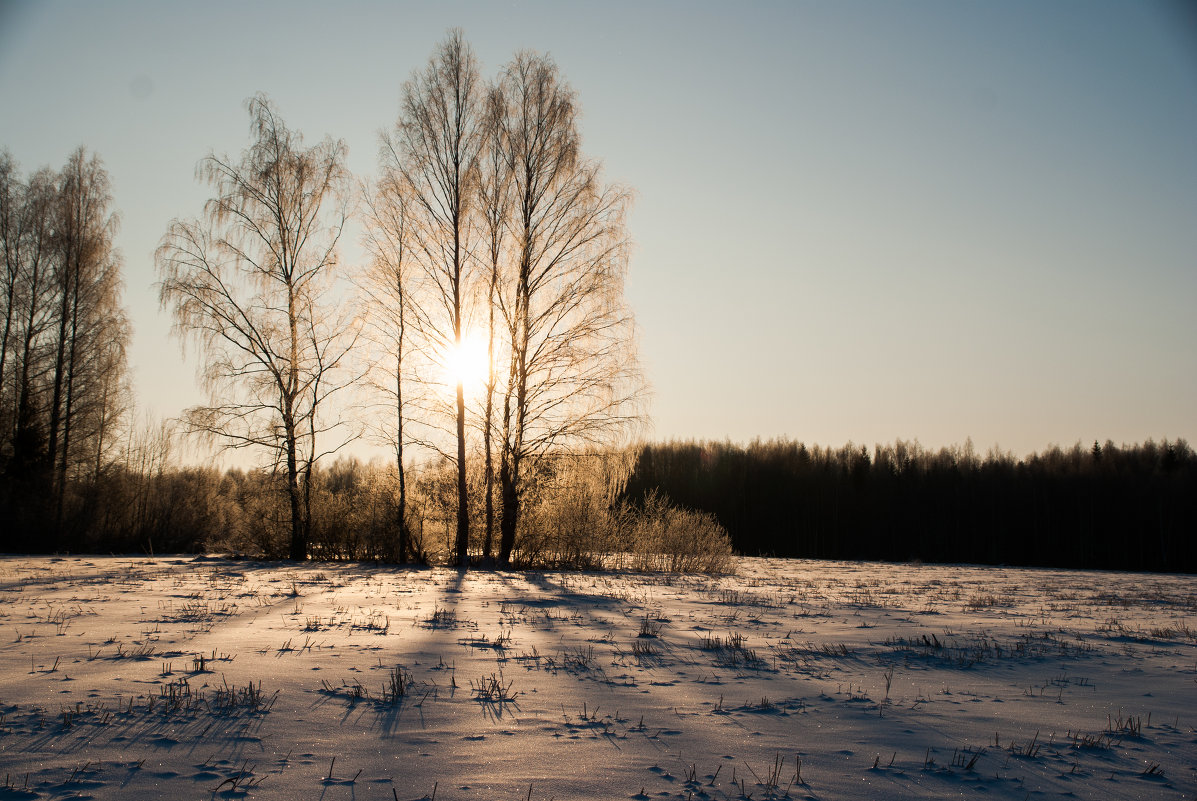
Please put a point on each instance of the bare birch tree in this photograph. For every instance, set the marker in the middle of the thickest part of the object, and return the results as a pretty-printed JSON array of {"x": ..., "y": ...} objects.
[
  {"x": 245, "y": 283},
  {"x": 11, "y": 212},
  {"x": 435, "y": 149},
  {"x": 573, "y": 374},
  {"x": 385, "y": 290},
  {"x": 90, "y": 385},
  {"x": 494, "y": 189},
  {"x": 32, "y": 325}
]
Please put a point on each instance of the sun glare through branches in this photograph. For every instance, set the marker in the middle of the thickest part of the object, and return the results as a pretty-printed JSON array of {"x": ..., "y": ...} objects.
[{"x": 466, "y": 364}]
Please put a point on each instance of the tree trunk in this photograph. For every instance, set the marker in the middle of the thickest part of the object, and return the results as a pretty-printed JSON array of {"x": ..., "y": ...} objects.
[
  {"x": 8, "y": 315},
  {"x": 13, "y": 233},
  {"x": 487, "y": 424},
  {"x": 510, "y": 497},
  {"x": 519, "y": 369},
  {"x": 401, "y": 512},
  {"x": 299, "y": 546},
  {"x": 59, "y": 375},
  {"x": 463, "y": 498},
  {"x": 101, "y": 430},
  {"x": 68, "y": 401},
  {"x": 26, "y": 440}
]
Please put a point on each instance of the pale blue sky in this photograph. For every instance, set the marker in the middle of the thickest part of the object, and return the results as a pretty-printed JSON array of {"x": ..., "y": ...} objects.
[{"x": 854, "y": 220}]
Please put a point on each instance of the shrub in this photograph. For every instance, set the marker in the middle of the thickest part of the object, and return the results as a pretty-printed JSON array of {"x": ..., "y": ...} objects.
[{"x": 662, "y": 536}]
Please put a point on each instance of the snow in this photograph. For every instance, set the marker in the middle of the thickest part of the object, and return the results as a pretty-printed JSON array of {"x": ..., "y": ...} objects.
[{"x": 183, "y": 677}]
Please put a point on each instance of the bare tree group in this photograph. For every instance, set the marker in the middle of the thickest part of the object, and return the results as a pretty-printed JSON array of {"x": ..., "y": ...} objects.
[
  {"x": 64, "y": 387},
  {"x": 487, "y": 221},
  {"x": 491, "y": 220}
]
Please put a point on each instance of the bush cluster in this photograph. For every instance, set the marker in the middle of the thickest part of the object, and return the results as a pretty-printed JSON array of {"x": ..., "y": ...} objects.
[{"x": 575, "y": 516}]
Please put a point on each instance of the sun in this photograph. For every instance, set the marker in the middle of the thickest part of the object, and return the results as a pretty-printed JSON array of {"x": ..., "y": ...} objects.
[{"x": 468, "y": 365}]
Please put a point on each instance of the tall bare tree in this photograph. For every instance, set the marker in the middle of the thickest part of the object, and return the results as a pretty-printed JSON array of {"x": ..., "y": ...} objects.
[
  {"x": 385, "y": 287},
  {"x": 33, "y": 256},
  {"x": 26, "y": 228},
  {"x": 246, "y": 284},
  {"x": 494, "y": 189},
  {"x": 435, "y": 148},
  {"x": 11, "y": 212},
  {"x": 90, "y": 390},
  {"x": 573, "y": 374}
]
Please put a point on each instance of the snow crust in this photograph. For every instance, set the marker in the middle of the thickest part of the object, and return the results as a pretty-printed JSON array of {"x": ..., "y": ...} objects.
[{"x": 180, "y": 677}]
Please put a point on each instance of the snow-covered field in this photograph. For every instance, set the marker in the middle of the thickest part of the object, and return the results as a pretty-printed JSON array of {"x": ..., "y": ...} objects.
[{"x": 138, "y": 678}]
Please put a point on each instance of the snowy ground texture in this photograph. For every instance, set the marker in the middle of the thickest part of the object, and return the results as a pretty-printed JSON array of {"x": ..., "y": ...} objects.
[{"x": 139, "y": 678}]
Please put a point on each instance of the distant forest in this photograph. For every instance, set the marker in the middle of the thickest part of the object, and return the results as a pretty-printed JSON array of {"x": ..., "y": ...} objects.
[{"x": 1129, "y": 507}]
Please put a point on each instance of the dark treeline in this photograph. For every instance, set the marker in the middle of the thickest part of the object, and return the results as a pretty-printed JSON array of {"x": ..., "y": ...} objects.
[{"x": 1105, "y": 506}]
